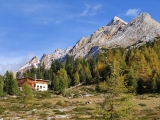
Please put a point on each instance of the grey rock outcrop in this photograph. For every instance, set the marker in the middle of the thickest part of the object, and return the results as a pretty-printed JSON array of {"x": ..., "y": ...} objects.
[
  {"x": 118, "y": 34},
  {"x": 84, "y": 45},
  {"x": 56, "y": 55}
]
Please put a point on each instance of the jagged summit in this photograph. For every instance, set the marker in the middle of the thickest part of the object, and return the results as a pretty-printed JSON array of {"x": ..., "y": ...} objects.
[
  {"x": 115, "y": 19},
  {"x": 116, "y": 33}
]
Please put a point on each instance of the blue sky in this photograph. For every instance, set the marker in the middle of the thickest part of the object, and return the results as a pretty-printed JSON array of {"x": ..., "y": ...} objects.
[{"x": 30, "y": 28}]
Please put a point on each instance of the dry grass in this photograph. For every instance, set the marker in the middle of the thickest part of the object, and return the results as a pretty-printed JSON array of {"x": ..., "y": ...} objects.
[{"x": 147, "y": 107}]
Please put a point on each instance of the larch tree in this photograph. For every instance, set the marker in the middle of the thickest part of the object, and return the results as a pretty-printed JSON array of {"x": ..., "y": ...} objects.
[
  {"x": 131, "y": 80},
  {"x": 117, "y": 104},
  {"x": 63, "y": 80},
  {"x": 88, "y": 75},
  {"x": 27, "y": 95},
  {"x": 76, "y": 78}
]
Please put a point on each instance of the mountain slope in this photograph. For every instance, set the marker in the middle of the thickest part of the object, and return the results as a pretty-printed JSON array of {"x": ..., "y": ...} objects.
[{"x": 116, "y": 33}]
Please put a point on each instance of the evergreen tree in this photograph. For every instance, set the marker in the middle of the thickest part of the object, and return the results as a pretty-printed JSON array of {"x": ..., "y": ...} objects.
[
  {"x": 88, "y": 75},
  {"x": 76, "y": 78},
  {"x": 53, "y": 67},
  {"x": 46, "y": 75},
  {"x": 39, "y": 74},
  {"x": 1, "y": 86},
  {"x": 82, "y": 75},
  {"x": 25, "y": 74},
  {"x": 69, "y": 67},
  {"x": 92, "y": 62},
  {"x": 18, "y": 75},
  {"x": 56, "y": 83},
  {"x": 153, "y": 86},
  {"x": 12, "y": 85},
  {"x": 6, "y": 81},
  {"x": 97, "y": 78},
  {"x": 33, "y": 72}
]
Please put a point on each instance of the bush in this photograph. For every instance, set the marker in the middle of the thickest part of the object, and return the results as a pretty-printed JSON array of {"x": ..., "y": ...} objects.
[{"x": 59, "y": 103}]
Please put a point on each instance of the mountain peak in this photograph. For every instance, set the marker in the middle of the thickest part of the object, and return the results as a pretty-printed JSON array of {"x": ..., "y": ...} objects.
[
  {"x": 115, "y": 19},
  {"x": 144, "y": 14},
  {"x": 34, "y": 60}
]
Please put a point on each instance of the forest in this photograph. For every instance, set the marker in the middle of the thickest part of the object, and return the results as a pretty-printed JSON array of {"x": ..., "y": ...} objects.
[{"x": 139, "y": 67}]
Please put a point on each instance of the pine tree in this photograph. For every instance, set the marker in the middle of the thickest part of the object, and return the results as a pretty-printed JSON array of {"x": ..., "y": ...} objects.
[
  {"x": 1, "y": 86},
  {"x": 12, "y": 85},
  {"x": 69, "y": 67},
  {"x": 39, "y": 74},
  {"x": 18, "y": 75},
  {"x": 92, "y": 62},
  {"x": 25, "y": 74},
  {"x": 27, "y": 94}
]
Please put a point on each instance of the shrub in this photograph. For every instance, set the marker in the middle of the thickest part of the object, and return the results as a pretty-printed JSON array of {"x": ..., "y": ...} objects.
[{"x": 59, "y": 103}]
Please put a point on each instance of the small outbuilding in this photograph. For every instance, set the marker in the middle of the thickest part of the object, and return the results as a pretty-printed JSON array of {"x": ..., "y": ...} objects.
[{"x": 35, "y": 84}]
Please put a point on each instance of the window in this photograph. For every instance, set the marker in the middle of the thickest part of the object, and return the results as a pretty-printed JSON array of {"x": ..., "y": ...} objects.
[{"x": 40, "y": 87}]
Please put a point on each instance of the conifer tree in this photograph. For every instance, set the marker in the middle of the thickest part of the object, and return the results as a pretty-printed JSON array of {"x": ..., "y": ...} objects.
[
  {"x": 12, "y": 85},
  {"x": 88, "y": 75},
  {"x": 25, "y": 74},
  {"x": 110, "y": 56},
  {"x": 18, "y": 75},
  {"x": 100, "y": 57},
  {"x": 56, "y": 84},
  {"x": 6, "y": 81},
  {"x": 27, "y": 95},
  {"x": 92, "y": 62},
  {"x": 63, "y": 80},
  {"x": 117, "y": 104},
  {"x": 153, "y": 85},
  {"x": 1, "y": 86},
  {"x": 131, "y": 80},
  {"x": 76, "y": 78},
  {"x": 82, "y": 75}
]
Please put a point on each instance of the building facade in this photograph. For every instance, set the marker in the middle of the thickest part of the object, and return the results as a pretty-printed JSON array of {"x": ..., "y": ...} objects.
[{"x": 35, "y": 84}]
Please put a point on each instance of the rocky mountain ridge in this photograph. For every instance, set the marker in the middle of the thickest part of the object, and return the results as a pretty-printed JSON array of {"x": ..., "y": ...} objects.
[{"x": 116, "y": 33}]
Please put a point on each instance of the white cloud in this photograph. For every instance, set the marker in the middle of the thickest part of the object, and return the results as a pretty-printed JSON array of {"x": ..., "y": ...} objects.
[
  {"x": 13, "y": 64},
  {"x": 85, "y": 11},
  {"x": 97, "y": 7},
  {"x": 90, "y": 10},
  {"x": 133, "y": 12}
]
